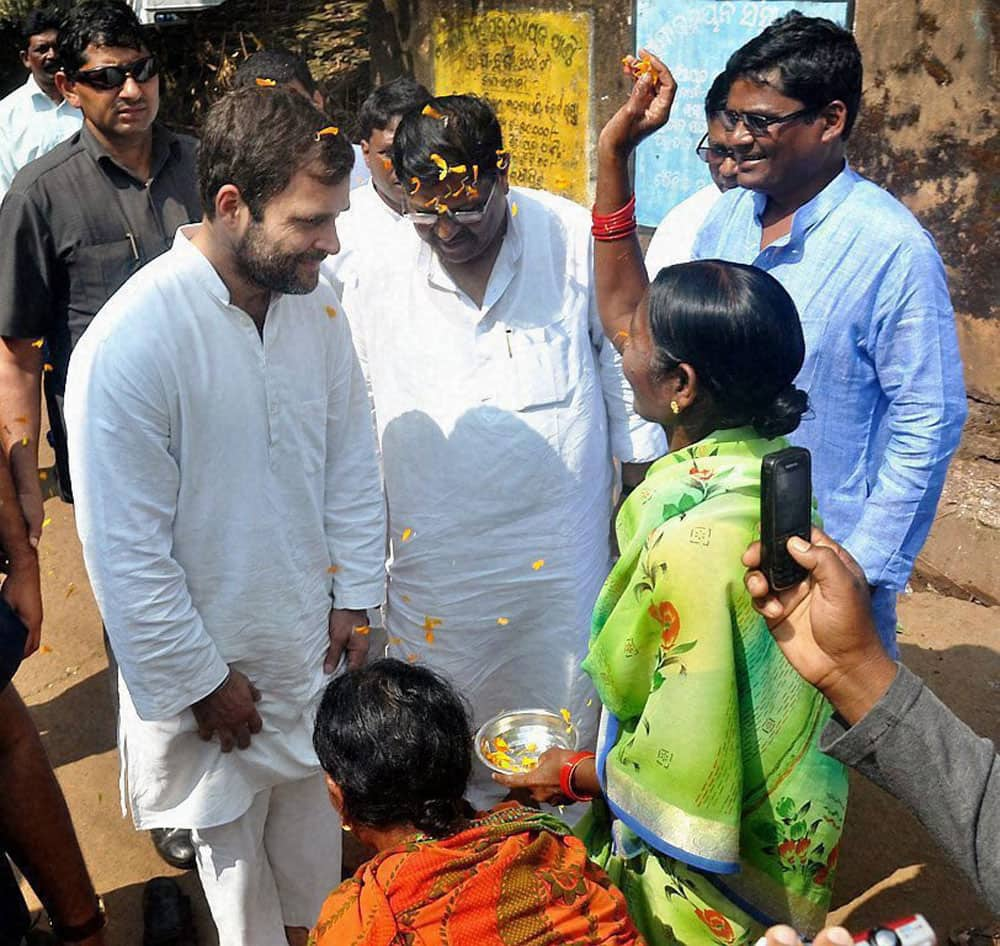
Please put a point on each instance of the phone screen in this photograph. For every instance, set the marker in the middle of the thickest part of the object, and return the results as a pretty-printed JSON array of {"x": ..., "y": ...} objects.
[{"x": 793, "y": 497}]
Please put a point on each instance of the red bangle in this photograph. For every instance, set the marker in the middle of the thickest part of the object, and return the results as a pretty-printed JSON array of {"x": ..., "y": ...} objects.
[
  {"x": 615, "y": 225},
  {"x": 566, "y": 776}
]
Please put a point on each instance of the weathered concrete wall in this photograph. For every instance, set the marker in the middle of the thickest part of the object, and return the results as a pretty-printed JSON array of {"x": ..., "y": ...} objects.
[
  {"x": 927, "y": 130},
  {"x": 928, "y": 133}
]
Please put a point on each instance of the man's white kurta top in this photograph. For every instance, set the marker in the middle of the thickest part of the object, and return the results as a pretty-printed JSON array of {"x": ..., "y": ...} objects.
[
  {"x": 31, "y": 125},
  {"x": 673, "y": 239},
  {"x": 368, "y": 225},
  {"x": 497, "y": 426},
  {"x": 224, "y": 485}
]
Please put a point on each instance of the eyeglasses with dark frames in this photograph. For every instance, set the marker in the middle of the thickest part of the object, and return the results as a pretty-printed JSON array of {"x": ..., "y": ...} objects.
[
  {"x": 713, "y": 154},
  {"x": 114, "y": 77},
  {"x": 467, "y": 218},
  {"x": 758, "y": 124}
]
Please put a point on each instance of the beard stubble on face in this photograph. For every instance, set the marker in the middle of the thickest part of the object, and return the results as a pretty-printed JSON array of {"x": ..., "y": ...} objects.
[{"x": 271, "y": 268}]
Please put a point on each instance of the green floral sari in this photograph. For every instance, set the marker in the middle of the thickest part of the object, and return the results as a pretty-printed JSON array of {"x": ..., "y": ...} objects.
[{"x": 721, "y": 814}]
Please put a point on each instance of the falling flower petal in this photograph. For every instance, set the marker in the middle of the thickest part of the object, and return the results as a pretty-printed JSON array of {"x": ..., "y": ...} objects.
[
  {"x": 538, "y": 564},
  {"x": 70, "y": 588},
  {"x": 25, "y": 440},
  {"x": 387, "y": 164},
  {"x": 442, "y": 165},
  {"x": 48, "y": 367},
  {"x": 364, "y": 630},
  {"x": 265, "y": 83},
  {"x": 513, "y": 209},
  {"x": 412, "y": 658},
  {"x": 325, "y": 132},
  {"x": 415, "y": 181},
  {"x": 333, "y": 569},
  {"x": 429, "y": 637},
  {"x": 395, "y": 641},
  {"x": 47, "y": 521},
  {"x": 503, "y": 622},
  {"x": 406, "y": 599},
  {"x": 331, "y": 311},
  {"x": 407, "y": 535},
  {"x": 431, "y": 623},
  {"x": 38, "y": 342},
  {"x": 45, "y": 649},
  {"x": 590, "y": 702},
  {"x": 620, "y": 336},
  {"x": 565, "y": 714},
  {"x": 431, "y": 112},
  {"x": 43, "y": 475}
]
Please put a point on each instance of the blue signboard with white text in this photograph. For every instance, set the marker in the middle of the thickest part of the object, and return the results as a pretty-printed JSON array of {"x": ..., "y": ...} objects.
[{"x": 695, "y": 38}]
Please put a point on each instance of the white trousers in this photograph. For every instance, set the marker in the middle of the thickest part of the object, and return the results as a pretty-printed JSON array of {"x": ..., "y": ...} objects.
[{"x": 273, "y": 866}]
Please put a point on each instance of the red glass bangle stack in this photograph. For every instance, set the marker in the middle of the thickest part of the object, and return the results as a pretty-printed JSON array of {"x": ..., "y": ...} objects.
[
  {"x": 566, "y": 776},
  {"x": 615, "y": 226}
]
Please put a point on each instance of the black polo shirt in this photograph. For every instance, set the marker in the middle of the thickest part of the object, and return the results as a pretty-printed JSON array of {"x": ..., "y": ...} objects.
[{"x": 73, "y": 227}]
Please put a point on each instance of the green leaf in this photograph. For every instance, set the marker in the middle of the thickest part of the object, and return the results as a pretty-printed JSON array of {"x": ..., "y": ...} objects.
[
  {"x": 679, "y": 649},
  {"x": 686, "y": 502},
  {"x": 669, "y": 511},
  {"x": 799, "y": 830},
  {"x": 785, "y": 808},
  {"x": 658, "y": 679}
]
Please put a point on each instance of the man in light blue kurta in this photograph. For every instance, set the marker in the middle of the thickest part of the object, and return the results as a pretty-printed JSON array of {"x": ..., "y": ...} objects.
[{"x": 882, "y": 367}]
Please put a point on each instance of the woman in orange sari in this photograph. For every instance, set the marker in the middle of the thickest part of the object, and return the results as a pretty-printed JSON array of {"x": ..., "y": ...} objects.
[{"x": 395, "y": 744}]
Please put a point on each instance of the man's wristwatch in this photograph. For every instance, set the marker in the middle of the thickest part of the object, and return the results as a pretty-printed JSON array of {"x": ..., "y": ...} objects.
[{"x": 81, "y": 931}]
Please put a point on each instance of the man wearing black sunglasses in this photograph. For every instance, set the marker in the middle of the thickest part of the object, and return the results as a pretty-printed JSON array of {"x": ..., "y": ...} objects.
[{"x": 76, "y": 224}]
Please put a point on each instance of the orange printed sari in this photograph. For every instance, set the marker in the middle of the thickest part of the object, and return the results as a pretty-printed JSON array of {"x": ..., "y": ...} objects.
[{"x": 513, "y": 877}]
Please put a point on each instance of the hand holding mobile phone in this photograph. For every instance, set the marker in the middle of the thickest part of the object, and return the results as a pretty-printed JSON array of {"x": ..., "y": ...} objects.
[{"x": 785, "y": 510}]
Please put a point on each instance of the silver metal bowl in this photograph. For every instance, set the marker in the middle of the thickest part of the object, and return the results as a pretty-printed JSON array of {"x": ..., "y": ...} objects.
[{"x": 527, "y": 734}]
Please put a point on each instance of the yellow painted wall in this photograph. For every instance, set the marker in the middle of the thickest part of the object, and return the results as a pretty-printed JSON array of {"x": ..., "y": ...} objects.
[{"x": 534, "y": 68}]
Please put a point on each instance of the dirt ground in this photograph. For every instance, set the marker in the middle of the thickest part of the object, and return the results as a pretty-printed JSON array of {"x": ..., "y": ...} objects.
[{"x": 889, "y": 867}]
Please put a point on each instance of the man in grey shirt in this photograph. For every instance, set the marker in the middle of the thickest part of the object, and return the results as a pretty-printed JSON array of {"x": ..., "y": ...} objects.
[{"x": 887, "y": 724}]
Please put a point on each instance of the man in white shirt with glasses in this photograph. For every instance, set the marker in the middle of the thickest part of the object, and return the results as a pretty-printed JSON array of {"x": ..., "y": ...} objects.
[{"x": 500, "y": 407}]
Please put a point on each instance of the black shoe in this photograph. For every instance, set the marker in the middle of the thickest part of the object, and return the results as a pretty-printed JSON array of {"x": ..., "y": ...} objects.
[
  {"x": 174, "y": 846},
  {"x": 166, "y": 915}
]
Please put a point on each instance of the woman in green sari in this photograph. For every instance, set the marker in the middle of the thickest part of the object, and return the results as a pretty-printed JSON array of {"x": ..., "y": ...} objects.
[{"x": 714, "y": 810}]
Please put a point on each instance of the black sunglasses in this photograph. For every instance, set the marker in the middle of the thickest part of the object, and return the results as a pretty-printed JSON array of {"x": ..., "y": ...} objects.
[
  {"x": 758, "y": 124},
  {"x": 114, "y": 77}
]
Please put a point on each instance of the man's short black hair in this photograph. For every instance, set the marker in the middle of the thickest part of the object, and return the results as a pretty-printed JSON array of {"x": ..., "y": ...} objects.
[
  {"x": 718, "y": 92},
  {"x": 390, "y": 101},
  {"x": 101, "y": 23},
  {"x": 396, "y": 739},
  {"x": 259, "y": 138},
  {"x": 461, "y": 129},
  {"x": 279, "y": 66},
  {"x": 40, "y": 20},
  {"x": 818, "y": 62}
]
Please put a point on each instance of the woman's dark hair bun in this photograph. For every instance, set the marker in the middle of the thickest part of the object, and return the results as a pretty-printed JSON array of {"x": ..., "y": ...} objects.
[
  {"x": 436, "y": 816},
  {"x": 783, "y": 414}
]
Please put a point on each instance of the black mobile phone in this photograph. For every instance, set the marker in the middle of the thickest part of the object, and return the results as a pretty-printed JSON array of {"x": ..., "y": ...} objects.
[{"x": 785, "y": 510}]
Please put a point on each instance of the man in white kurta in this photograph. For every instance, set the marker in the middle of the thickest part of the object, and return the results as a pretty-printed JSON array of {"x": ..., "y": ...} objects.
[
  {"x": 35, "y": 117},
  {"x": 376, "y": 204},
  {"x": 228, "y": 488},
  {"x": 498, "y": 421}
]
